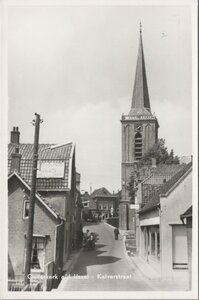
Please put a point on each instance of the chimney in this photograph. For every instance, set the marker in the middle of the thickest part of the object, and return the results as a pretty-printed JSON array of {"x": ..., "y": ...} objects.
[
  {"x": 15, "y": 160},
  {"x": 14, "y": 135}
]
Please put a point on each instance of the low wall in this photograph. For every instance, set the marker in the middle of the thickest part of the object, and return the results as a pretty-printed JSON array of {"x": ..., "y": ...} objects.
[{"x": 113, "y": 221}]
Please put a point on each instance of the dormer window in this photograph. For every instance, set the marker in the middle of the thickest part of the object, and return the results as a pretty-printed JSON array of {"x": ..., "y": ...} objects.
[{"x": 138, "y": 146}]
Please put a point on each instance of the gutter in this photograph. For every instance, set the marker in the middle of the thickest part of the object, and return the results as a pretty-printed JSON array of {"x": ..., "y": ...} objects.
[{"x": 149, "y": 209}]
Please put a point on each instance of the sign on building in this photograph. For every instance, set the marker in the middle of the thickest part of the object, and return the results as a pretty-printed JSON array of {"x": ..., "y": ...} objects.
[
  {"x": 51, "y": 169},
  {"x": 134, "y": 206}
]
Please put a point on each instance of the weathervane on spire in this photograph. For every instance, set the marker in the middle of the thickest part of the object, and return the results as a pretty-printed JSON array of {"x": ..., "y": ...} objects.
[{"x": 140, "y": 27}]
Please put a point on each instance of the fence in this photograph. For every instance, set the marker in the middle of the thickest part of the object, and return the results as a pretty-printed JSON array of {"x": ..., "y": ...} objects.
[
  {"x": 17, "y": 285},
  {"x": 49, "y": 281}
]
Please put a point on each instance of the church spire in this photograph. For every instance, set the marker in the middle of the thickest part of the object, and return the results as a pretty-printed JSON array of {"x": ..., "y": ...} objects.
[{"x": 140, "y": 100}]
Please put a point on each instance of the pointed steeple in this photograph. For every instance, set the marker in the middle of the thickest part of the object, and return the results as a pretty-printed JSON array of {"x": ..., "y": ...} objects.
[{"x": 140, "y": 100}]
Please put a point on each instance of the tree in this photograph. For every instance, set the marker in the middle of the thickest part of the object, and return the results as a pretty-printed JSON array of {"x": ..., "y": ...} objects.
[
  {"x": 160, "y": 152},
  {"x": 132, "y": 185}
]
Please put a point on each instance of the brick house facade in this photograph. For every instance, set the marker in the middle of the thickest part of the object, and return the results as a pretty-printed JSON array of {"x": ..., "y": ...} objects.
[
  {"x": 47, "y": 240},
  {"x": 56, "y": 186}
]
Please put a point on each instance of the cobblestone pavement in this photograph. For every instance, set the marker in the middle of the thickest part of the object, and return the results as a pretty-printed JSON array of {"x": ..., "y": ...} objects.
[{"x": 94, "y": 268}]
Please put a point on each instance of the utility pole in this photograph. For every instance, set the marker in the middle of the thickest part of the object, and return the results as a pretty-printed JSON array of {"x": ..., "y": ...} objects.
[{"x": 32, "y": 202}]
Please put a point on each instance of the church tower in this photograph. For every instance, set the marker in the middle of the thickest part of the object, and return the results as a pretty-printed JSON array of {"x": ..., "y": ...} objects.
[{"x": 139, "y": 134}]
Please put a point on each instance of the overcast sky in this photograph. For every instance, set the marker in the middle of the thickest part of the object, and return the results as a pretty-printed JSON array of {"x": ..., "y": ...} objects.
[{"x": 75, "y": 66}]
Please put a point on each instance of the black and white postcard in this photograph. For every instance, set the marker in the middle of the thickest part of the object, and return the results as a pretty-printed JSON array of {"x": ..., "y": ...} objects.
[{"x": 99, "y": 149}]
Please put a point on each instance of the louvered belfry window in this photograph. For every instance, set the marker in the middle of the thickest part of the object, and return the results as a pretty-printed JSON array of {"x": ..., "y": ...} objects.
[{"x": 138, "y": 146}]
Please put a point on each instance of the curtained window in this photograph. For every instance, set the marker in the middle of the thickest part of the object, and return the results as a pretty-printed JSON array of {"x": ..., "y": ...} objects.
[{"x": 37, "y": 256}]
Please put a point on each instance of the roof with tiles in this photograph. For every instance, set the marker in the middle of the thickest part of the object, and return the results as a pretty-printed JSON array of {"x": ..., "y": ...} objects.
[
  {"x": 164, "y": 189},
  {"x": 160, "y": 175},
  {"x": 167, "y": 170},
  {"x": 37, "y": 195},
  {"x": 102, "y": 192},
  {"x": 45, "y": 154}
]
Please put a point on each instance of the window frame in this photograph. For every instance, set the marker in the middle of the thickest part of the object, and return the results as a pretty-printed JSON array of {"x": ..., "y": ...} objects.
[
  {"x": 35, "y": 270},
  {"x": 138, "y": 146},
  {"x": 24, "y": 208}
]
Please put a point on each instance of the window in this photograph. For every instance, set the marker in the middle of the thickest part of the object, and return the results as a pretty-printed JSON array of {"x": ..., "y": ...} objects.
[
  {"x": 148, "y": 136},
  {"x": 106, "y": 205},
  {"x": 37, "y": 256},
  {"x": 85, "y": 204},
  {"x": 127, "y": 143},
  {"x": 26, "y": 209},
  {"x": 153, "y": 243},
  {"x": 180, "y": 255},
  {"x": 158, "y": 245},
  {"x": 138, "y": 146}
]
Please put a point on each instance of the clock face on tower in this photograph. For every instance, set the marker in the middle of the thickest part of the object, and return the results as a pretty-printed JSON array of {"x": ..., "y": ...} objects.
[{"x": 138, "y": 127}]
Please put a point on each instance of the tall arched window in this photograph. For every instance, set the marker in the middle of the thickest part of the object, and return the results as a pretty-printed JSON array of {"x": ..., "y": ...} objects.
[
  {"x": 138, "y": 145},
  {"x": 127, "y": 142},
  {"x": 148, "y": 137}
]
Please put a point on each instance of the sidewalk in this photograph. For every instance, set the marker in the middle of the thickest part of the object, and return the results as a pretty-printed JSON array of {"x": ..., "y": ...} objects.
[
  {"x": 151, "y": 276},
  {"x": 68, "y": 267},
  {"x": 70, "y": 263}
]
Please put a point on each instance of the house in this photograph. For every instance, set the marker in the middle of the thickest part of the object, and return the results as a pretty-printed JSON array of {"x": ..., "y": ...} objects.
[
  {"x": 158, "y": 176},
  {"x": 47, "y": 245},
  {"x": 162, "y": 236},
  {"x": 101, "y": 204},
  {"x": 148, "y": 180},
  {"x": 55, "y": 185},
  {"x": 106, "y": 203},
  {"x": 89, "y": 207}
]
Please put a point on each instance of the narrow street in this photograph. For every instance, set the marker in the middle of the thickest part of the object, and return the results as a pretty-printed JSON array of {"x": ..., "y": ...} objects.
[{"x": 108, "y": 259}]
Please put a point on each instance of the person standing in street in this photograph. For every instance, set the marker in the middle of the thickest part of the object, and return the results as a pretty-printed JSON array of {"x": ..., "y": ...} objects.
[{"x": 116, "y": 233}]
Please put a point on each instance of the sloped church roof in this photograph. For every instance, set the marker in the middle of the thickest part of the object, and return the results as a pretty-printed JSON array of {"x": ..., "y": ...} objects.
[{"x": 140, "y": 101}]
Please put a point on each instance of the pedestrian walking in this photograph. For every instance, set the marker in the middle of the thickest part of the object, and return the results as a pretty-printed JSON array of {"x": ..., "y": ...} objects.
[{"x": 116, "y": 233}]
